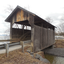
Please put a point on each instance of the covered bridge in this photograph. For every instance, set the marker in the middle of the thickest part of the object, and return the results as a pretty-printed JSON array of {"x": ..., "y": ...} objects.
[{"x": 42, "y": 33}]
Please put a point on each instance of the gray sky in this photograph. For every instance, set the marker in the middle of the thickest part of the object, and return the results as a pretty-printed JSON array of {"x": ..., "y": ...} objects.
[{"x": 43, "y": 8}]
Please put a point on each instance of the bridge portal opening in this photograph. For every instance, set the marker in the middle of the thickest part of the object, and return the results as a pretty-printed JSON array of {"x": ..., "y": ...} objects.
[{"x": 21, "y": 31}]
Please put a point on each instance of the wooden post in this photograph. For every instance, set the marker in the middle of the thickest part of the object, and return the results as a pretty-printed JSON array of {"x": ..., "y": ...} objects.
[
  {"x": 7, "y": 49},
  {"x": 22, "y": 44},
  {"x": 10, "y": 31},
  {"x": 54, "y": 34},
  {"x": 31, "y": 22},
  {"x": 23, "y": 29},
  {"x": 32, "y": 37},
  {"x": 26, "y": 27}
]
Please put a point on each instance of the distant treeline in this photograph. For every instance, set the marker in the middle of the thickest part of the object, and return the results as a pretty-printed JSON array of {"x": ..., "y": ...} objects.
[{"x": 61, "y": 34}]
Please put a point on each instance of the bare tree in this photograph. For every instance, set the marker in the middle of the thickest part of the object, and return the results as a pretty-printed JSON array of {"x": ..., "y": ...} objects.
[
  {"x": 9, "y": 9},
  {"x": 48, "y": 19},
  {"x": 61, "y": 25},
  {"x": 60, "y": 28}
]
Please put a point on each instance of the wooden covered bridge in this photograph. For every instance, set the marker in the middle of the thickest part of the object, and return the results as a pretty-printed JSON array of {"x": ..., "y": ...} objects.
[{"x": 41, "y": 34}]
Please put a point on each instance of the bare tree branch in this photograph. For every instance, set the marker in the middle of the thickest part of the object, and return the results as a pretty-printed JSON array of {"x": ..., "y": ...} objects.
[
  {"x": 9, "y": 9},
  {"x": 48, "y": 19}
]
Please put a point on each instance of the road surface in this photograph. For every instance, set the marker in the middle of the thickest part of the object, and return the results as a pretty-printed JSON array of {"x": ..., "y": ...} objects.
[{"x": 10, "y": 48}]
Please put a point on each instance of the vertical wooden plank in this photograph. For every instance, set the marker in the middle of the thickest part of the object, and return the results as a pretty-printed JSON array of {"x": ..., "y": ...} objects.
[
  {"x": 32, "y": 37},
  {"x": 11, "y": 30},
  {"x": 49, "y": 37},
  {"x": 14, "y": 19},
  {"x": 31, "y": 19},
  {"x": 37, "y": 38},
  {"x": 25, "y": 15},
  {"x": 20, "y": 16},
  {"x": 41, "y": 37},
  {"x": 54, "y": 35},
  {"x": 44, "y": 37}
]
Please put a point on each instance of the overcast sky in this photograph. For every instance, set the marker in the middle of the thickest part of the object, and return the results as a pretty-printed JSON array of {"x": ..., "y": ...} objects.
[{"x": 43, "y": 8}]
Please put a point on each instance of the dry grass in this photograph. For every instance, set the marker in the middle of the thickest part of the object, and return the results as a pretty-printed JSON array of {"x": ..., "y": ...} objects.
[
  {"x": 59, "y": 44},
  {"x": 17, "y": 57}
]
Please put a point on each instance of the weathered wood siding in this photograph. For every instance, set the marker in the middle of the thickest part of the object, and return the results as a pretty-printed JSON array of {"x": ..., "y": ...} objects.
[
  {"x": 43, "y": 38},
  {"x": 37, "y": 38},
  {"x": 31, "y": 19},
  {"x": 20, "y": 16},
  {"x": 50, "y": 37}
]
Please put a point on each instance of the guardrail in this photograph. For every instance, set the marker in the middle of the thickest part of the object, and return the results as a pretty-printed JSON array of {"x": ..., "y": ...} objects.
[
  {"x": 10, "y": 44},
  {"x": 7, "y": 45}
]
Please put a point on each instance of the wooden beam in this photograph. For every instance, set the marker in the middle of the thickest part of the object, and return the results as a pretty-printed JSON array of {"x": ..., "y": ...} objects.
[
  {"x": 26, "y": 27},
  {"x": 10, "y": 30},
  {"x": 23, "y": 29},
  {"x": 32, "y": 37}
]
